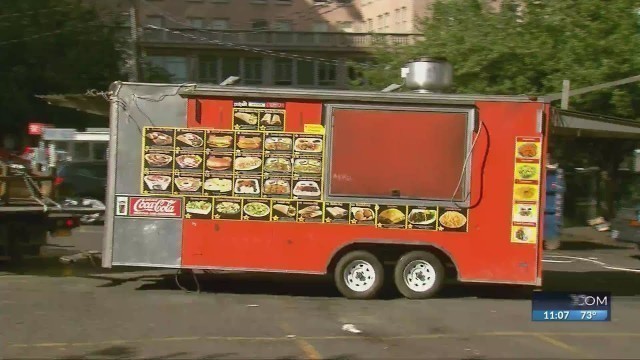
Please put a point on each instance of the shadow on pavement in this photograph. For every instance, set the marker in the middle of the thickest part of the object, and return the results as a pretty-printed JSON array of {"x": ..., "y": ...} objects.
[
  {"x": 52, "y": 267},
  {"x": 128, "y": 352},
  {"x": 617, "y": 282}
]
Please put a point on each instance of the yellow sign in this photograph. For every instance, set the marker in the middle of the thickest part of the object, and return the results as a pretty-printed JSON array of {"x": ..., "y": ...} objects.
[{"x": 314, "y": 128}]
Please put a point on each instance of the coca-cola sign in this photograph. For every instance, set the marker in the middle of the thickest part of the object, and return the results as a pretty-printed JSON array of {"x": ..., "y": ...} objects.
[{"x": 155, "y": 207}]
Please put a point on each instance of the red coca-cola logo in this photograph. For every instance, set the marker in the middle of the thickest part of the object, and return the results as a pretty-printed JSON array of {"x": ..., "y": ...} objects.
[{"x": 157, "y": 207}]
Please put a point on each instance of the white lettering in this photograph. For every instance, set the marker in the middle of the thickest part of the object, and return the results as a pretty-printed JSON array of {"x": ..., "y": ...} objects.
[{"x": 158, "y": 206}]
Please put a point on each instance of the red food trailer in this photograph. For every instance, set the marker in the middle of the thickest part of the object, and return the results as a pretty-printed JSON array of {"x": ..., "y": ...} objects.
[{"x": 329, "y": 182}]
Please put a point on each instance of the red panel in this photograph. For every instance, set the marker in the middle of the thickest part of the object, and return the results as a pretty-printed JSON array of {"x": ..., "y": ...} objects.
[
  {"x": 484, "y": 253},
  {"x": 300, "y": 113},
  {"x": 420, "y": 154},
  {"x": 206, "y": 113}
]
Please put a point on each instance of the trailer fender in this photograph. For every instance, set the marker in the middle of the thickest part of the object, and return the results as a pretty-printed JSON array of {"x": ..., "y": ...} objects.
[{"x": 390, "y": 250}]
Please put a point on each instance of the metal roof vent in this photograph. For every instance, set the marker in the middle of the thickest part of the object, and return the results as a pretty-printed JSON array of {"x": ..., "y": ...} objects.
[{"x": 428, "y": 75}]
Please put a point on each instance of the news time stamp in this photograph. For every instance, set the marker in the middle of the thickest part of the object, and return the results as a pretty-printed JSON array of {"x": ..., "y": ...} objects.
[{"x": 571, "y": 306}]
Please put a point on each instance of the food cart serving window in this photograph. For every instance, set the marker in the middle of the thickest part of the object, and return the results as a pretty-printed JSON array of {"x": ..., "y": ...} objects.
[{"x": 417, "y": 155}]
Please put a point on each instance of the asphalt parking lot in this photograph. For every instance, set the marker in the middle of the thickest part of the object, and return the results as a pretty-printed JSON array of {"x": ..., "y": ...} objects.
[{"x": 58, "y": 312}]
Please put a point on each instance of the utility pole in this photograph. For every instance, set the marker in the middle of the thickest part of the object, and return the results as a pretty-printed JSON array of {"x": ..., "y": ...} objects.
[
  {"x": 566, "y": 88},
  {"x": 134, "y": 62}
]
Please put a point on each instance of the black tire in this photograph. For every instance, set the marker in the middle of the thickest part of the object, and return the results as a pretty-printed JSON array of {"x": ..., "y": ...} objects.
[
  {"x": 438, "y": 272},
  {"x": 343, "y": 266}
]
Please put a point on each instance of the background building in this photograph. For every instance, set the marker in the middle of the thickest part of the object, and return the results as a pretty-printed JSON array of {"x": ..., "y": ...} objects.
[{"x": 302, "y": 43}]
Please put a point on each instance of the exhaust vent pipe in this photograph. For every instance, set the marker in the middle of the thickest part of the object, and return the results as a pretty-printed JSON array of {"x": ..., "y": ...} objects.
[{"x": 428, "y": 75}]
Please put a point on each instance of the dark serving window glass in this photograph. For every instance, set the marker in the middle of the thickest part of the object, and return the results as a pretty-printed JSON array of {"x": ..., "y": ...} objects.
[{"x": 413, "y": 155}]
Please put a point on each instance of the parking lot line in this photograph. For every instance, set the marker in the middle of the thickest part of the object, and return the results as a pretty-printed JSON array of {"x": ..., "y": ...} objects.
[
  {"x": 560, "y": 344},
  {"x": 308, "y": 349},
  {"x": 545, "y": 336}
]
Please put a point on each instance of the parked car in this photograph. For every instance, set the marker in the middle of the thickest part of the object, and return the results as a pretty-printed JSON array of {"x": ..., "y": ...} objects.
[
  {"x": 83, "y": 184},
  {"x": 625, "y": 227},
  {"x": 85, "y": 179}
]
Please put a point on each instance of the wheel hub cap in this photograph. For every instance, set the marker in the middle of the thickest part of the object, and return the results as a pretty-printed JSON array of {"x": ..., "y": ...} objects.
[
  {"x": 359, "y": 275},
  {"x": 419, "y": 276}
]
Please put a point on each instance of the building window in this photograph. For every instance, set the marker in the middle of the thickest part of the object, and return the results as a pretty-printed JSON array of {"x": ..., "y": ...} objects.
[
  {"x": 176, "y": 66},
  {"x": 283, "y": 71},
  {"x": 230, "y": 67},
  {"x": 259, "y": 24},
  {"x": 379, "y": 27},
  {"x": 396, "y": 17},
  {"x": 326, "y": 74},
  {"x": 282, "y": 25},
  {"x": 252, "y": 71},
  {"x": 283, "y": 2},
  {"x": 219, "y": 24},
  {"x": 259, "y": 2},
  {"x": 385, "y": 22},
  {"x": 196, "y": 22},
  {"x": 369, "y": 25},
  {"x": 305, "y": 71},
  {"x": 320, "y": 27},
  {"x": 346, "y": 26},
  {"x": 208, "y": 71},
  {"x": 403, "y": 18}
]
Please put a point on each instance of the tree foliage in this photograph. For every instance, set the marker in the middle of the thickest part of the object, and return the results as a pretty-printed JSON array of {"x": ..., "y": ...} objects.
[
  {"x": 53, "y": 47},
  {"x": 530, "y": 49}
]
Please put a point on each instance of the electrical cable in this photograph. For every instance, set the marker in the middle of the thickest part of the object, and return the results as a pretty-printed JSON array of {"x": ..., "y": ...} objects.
[
  {"x": 464, "y": 166},
  {"x": 195, "y": 279}
]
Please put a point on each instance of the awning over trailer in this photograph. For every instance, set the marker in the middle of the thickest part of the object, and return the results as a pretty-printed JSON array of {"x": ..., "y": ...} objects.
[
  {"x": 574, "y": 123},
  {"x": 89, "y": 103}
]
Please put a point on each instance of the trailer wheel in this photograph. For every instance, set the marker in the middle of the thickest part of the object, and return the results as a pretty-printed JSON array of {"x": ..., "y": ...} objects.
[
  {"x": 419, "y": 275},
  {"x": 359, "y": 275}
]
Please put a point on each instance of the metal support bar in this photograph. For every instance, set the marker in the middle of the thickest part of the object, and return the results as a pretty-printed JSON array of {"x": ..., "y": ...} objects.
[
  {"x": 566, "y": 89},
  {"x": 584, "y": 90}
]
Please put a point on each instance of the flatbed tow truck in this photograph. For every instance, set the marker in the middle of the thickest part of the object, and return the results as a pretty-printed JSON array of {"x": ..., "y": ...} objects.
[{"x": 29, "y": 210}]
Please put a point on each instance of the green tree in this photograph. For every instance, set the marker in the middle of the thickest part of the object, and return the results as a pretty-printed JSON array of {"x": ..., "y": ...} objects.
[
  {"x": 53, "y": 47},
  {"x": 529, "y": 47}
]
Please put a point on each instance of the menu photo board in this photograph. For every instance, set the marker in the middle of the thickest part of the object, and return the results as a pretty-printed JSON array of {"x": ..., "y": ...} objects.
[
  {"x": 526, "y": 190},
  {"x": 259, "y": 115},
  {"x": 254, "y": 175}
]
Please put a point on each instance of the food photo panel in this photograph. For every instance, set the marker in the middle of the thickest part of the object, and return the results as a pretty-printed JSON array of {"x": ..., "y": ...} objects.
[
  {"x": 247, "y": 186},
  {"x": 189, "y": 162},
  {"x": 249, "y": 142},
  {"x": 276, "y": 187},
  {"x": 391, "y": 217},
  {"x": 187, "y": 184},
  {"x": 219, "y": 163},
  {"x": 245, "y": 118},
  {"x": 307, "y": 188},
  {"x": 272, "y": 119},
  {"x": 310, "y": 211},
  {"x": 258, "y": 209},
  {"x": 219, "y": 141},
  {"x": 275, "y": 143},
  {"x": 190, "y": 139},
  {"x": 198, "y": 207},
  {"x": 336, "y": 212},
  {"x": 280, "y": 165},
  {"x": 159, "y": 138},
  {"x": 308, "y": 144},
  {"x": 218, "y": 185},
  {"x": 160, "y": 183},
  {"x": 422, "y": 217},
  {"x": 247, "y": 163},
  {"x": 452, "y": 220},
  {"x": 284, "y": 210},
  {"x": 307, "y": 167},
  {"x": 158, "y": 160},
  {"x": 227, "y": 209},
  {"x": 362, "y": 214}
]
